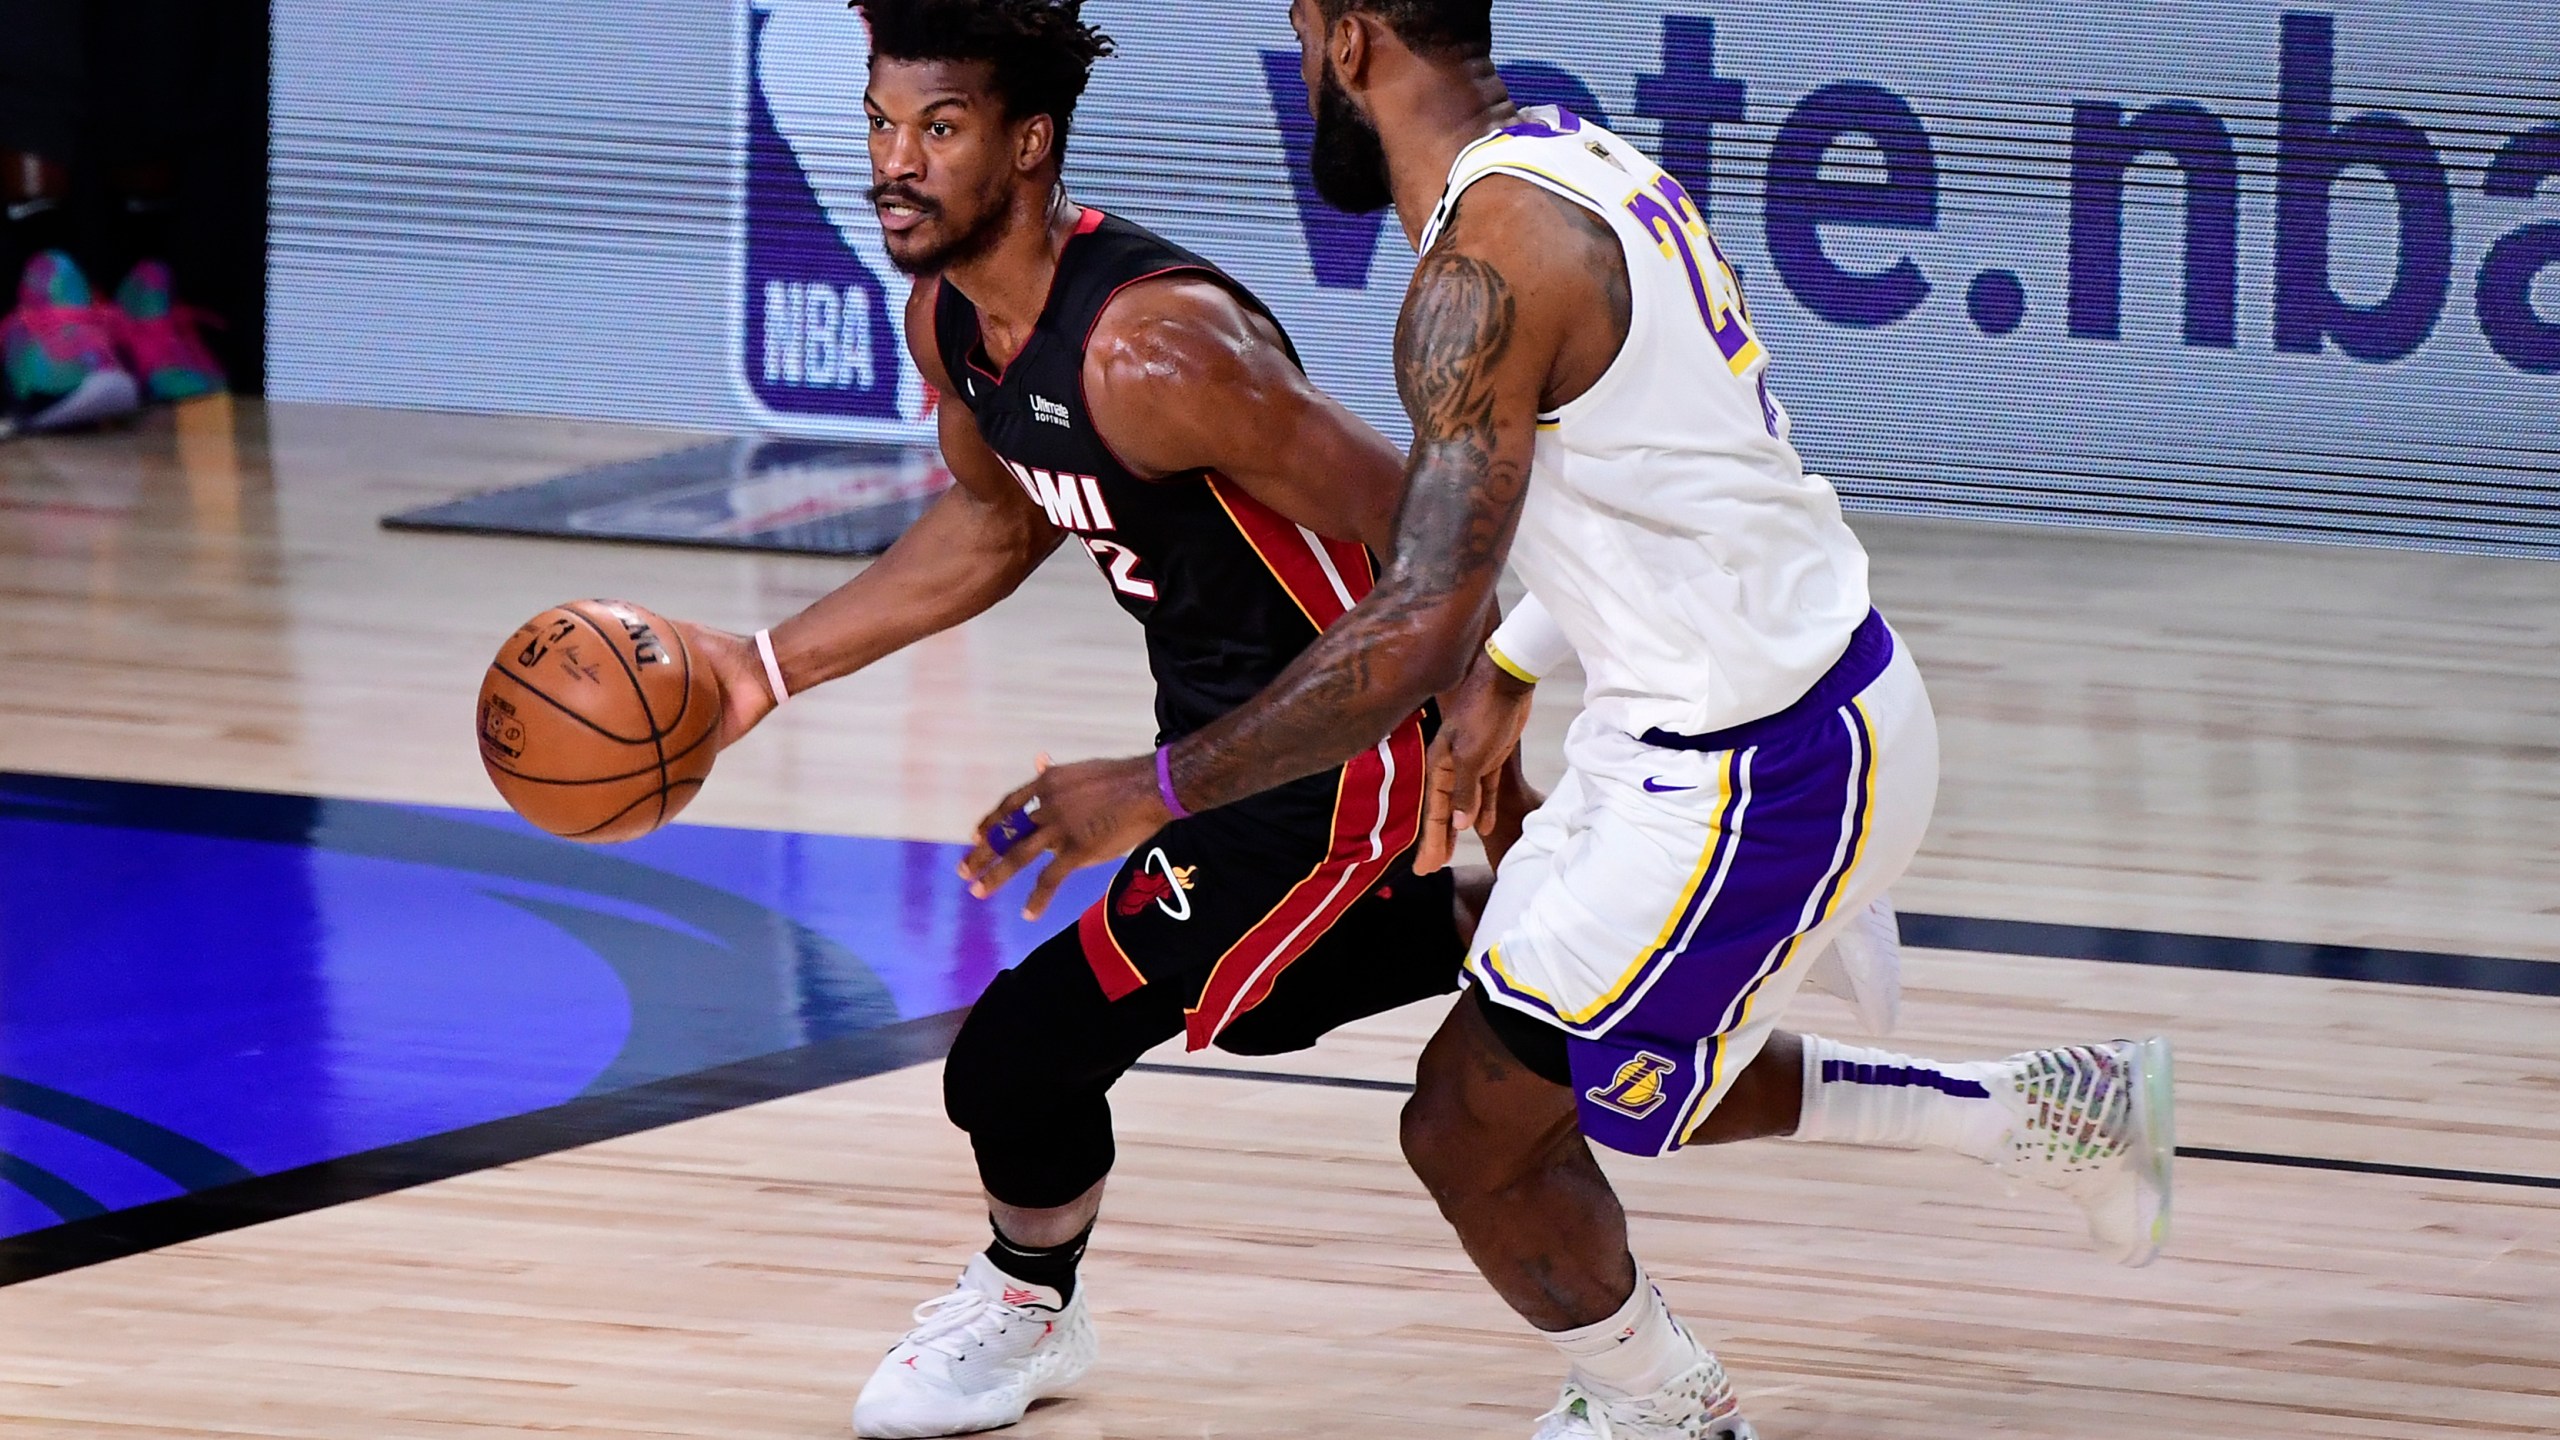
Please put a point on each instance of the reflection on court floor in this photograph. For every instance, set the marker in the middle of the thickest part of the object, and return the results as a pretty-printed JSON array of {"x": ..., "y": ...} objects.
[{"x": 199, "y": 986}]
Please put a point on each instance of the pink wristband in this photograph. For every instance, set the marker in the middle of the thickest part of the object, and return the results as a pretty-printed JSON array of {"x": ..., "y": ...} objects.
[
  {"x": 1164, "y": 783},
  {"x": 772, "y": 668}
]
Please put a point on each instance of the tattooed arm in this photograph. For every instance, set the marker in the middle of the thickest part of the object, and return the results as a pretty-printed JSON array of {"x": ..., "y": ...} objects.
[
  {"x": 1509, "y": 310},
  {"x": 1471, "y": 380},
  {"x": 1523, "y": 304}
]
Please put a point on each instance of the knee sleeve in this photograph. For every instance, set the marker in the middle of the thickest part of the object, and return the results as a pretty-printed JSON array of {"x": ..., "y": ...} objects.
[{"x": 1030, "y": 1075}]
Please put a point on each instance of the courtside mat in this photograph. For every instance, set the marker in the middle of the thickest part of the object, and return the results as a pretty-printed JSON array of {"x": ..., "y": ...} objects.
[{"x": 749, "y": 493}]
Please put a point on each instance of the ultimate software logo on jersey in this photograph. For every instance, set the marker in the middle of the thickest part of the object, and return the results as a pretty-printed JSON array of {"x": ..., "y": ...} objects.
[{"x": 819, "y": 349}]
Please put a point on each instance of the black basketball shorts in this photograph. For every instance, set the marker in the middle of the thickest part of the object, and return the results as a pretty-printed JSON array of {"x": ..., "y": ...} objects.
[{"x": 1302, "y": 899}]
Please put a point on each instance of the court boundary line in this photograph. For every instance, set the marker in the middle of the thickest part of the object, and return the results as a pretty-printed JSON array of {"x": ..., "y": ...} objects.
[
  {"x": 77, "y": 1244},
  {"x": 2178, "y": 950},
  {"x": 2185, "y": 1152}
]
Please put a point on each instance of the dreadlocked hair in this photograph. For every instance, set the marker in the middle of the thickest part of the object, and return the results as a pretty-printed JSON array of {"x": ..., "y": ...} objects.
[
  {"x": 1042, "y": 51},
  {"x": 1433, "y": 26}
]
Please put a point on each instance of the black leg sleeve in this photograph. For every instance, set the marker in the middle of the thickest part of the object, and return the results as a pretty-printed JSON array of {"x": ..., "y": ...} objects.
[{"x": 1030, "y": 1074}]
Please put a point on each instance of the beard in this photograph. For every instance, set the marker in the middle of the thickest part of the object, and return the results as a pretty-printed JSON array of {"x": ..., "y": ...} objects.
[
  {"x": 1350, "y": 161},
  {"x": 916, "y": 256}
]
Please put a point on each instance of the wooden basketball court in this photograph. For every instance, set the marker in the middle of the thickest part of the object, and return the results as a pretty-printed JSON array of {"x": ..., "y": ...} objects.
[{"x": 2148, "y": 739}]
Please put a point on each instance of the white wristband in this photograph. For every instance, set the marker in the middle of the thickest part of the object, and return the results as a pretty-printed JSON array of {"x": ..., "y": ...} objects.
[
  {"x": 772, "y": 667},
  {"x": 1529, "y": 643}
]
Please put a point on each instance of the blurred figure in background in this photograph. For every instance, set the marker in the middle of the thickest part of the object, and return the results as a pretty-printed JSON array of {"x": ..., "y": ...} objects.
[{"x": 93, "y": 121}]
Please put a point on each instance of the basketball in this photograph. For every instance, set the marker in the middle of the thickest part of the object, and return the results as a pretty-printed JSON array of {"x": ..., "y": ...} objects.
[{"x": 595, "y": 723}]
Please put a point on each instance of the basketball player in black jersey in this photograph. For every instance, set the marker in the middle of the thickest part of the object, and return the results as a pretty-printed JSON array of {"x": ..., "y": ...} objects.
[{"x": 1102, "y": 388}]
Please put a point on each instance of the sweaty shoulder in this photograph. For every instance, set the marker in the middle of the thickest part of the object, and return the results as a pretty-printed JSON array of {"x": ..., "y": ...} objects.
[
  {"x": 1562, "y": 262},
  {"x": 1173, "y": 359}
]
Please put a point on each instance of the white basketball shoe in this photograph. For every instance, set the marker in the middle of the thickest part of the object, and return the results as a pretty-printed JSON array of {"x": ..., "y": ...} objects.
[
  {"x": 1863, "y": 965},
  {"x": 2099, "y": 1124},
  {"x": 1698, "y": 1405},
  {"x": 977, "y": 1358}
]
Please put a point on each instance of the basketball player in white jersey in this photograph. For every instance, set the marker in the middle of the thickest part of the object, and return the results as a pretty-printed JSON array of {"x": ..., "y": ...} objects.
[{"x": 1755, "y": 765}]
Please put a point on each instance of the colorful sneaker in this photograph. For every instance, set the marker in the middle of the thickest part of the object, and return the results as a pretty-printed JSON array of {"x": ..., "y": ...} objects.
[
  {"x": 977, "y": 1358},
  {"x": 2099, "y": 1124},
  {"x": 58, "y": 347},
  {"x": 160, "y": 338},
  {"x": 1698, "y": 1405}
]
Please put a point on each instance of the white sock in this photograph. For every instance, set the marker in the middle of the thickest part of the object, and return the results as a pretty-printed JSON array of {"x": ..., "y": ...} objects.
[
  {"x": 1855, "y": 1096},
  {"x": 1634, "y": 1352}
]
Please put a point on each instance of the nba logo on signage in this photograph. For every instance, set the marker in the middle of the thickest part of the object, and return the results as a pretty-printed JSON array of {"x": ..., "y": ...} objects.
[{"x": 819, "y": 348}]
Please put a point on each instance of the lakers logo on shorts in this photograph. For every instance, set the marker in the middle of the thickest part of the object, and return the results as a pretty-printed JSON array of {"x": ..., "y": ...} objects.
[{"x": 1637, "y": 1089}]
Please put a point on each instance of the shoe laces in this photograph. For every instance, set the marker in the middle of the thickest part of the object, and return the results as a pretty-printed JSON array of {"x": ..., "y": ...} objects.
[
  {"x": 953, "y": 1323},
  {"x": 1695, "y": 1403},
  {"x": 2077, "y": 1108},
  {"x": 1574, "y": 1404}
]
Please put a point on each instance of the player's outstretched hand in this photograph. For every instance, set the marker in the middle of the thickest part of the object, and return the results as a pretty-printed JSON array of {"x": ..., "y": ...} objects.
[
  {"x": 1081, "y": 814},
  {"x": 745, "y": 697},
  {"x": 1480, "y": 725}
]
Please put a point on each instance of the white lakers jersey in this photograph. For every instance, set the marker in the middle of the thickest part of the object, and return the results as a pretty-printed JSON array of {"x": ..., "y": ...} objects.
[{"x": 1703, "y": 577}]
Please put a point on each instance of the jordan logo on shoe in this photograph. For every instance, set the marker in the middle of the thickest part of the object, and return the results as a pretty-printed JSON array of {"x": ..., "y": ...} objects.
[{"x": 1020, "y": 1297}]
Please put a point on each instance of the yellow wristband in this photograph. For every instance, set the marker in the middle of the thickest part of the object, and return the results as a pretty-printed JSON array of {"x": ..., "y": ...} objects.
[{"x": 1509, "y": 666}]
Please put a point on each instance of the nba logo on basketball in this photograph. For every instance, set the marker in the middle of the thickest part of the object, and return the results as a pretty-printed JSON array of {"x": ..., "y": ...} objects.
[
  {"x": 500, "y": 729},
  {"x": 1637, "y": 1089},
  {"x": 815, "y": 319}
]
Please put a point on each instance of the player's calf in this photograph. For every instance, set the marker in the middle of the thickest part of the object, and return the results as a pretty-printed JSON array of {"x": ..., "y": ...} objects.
[
  {"x": 1491, "y": 1131},
  {"x": 1497, "y": 1146}
]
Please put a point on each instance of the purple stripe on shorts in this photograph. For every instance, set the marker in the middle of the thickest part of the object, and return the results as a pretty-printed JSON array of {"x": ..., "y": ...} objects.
[
  {"x": 1856, "y": 720},
  {"x": 1802, "y": 826}
]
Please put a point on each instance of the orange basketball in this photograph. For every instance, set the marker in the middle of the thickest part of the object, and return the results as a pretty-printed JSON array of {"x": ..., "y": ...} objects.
[{"x": 596, "y": 723}]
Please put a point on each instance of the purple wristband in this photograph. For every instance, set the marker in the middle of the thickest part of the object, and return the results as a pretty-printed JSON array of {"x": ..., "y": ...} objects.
[{"x": 1164, "y": 783}]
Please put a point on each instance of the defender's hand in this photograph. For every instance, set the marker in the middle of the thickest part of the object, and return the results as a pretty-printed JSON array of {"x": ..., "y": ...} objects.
[
  {"x": 1501, "y": 823},
  {"x": 1480, "y": 725},
  {"x": 745, "y": 696},
  {"x": 1083, "y": 814}
]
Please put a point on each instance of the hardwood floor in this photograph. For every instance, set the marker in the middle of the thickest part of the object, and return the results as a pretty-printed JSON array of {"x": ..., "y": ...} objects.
[
  {"x": 2290, "y": 742},
  {"x": 2197, "y": 736},
  {"x": 1267, "y": 1267}
]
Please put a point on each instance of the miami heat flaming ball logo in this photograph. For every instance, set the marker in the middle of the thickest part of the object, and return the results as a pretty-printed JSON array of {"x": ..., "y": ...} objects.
[{"x": 1160, "y": 883}]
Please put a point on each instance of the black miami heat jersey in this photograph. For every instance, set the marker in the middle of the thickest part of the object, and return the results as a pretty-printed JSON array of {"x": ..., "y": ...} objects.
[
  {"x": 1228, "y": 590},
  {"x": 1212, "y": 911}
]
